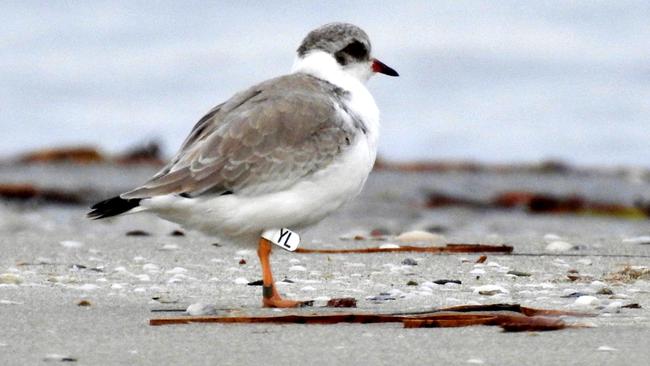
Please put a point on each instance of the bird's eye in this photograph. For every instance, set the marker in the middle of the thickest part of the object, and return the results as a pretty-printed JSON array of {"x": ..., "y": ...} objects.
[
  {"x": 340, "y": 59},
  {"x": 356, "y": 49}
]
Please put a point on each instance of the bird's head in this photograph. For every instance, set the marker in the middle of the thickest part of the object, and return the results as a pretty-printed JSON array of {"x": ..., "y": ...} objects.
[{"x": 339, "y": 47}]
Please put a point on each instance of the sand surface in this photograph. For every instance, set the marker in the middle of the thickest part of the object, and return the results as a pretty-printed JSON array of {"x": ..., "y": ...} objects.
[{"x": 53, "y": 258}]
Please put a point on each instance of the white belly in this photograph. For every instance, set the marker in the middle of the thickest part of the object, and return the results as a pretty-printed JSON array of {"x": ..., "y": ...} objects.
[{"x": 231, "y": 217}]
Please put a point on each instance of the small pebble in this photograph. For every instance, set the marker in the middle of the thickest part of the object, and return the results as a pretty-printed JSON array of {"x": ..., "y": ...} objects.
[
  {"x": 518, "y": 273},
  {"x": 58, "y": 358},
  {"x": 242, "y": 262},
  {"x": 177, "y": 233},
  {"x": 445, "y": 281},
  {"x": 353, "y": 235},
  {"x": 558, "y": 246},
  {"x": 605, "y": 291},
  {"x": 411, "y": 283},
  {"x": 343, "y": 302},
  {"x": 409, "y": 262},
  {"x": 137, "y": 233},
  {"x": 201, "y": 309},
  {"x": 84, "y": 303}
]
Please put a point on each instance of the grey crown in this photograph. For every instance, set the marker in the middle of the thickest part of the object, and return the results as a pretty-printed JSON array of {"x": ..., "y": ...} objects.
[{"x": 334, "y": 37}]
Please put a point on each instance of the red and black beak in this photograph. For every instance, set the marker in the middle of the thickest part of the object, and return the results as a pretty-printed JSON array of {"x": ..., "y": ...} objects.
[{"x": 382, "y": 68}]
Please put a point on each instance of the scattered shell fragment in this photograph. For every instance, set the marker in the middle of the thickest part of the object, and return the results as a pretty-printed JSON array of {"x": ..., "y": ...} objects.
[
  {"x": 50, "y": 357},
  {"x": 518, "y": 273},
  {"x": 606, "y": 349},
  {"x": 10, "y": 279},
  {"x": 643, "y": 240},
  {"x": 629, "y": 274},
  {"x": 241, "y": 281},
  {"x": 490, "y": 290},
  {"x": 297, "y": 268}
]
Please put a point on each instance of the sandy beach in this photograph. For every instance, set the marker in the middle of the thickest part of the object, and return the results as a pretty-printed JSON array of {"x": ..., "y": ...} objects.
[{"x": 54, "y": 259}]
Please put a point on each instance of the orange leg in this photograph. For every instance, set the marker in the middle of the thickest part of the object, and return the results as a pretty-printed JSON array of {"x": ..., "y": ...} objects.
[{"x": 271, "y": 297}]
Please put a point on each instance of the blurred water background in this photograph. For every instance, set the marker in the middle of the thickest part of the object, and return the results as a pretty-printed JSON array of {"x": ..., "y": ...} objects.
[{"x": 494, "y": 81}]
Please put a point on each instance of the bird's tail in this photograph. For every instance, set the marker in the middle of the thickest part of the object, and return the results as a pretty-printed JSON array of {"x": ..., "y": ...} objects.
[{"x": 112, "y": 207}]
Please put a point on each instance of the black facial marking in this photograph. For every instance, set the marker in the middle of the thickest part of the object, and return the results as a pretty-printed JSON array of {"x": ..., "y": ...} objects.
[{"x": 355, "y": 51}]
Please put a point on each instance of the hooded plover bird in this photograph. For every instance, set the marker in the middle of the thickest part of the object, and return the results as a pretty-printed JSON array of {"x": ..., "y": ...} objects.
[{"x": 284, "y": 153}]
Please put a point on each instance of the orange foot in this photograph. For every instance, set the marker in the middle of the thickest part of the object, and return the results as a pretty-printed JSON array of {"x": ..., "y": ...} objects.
[{"x": 272, "y": 299}]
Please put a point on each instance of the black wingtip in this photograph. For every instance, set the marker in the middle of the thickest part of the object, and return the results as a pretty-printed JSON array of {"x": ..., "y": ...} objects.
[{"x": 112, "y": 207}]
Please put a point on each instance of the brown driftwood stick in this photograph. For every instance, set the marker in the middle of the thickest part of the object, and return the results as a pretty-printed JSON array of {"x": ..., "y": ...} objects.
[
  {"x": 449, "y": 248},
  {"x": 509, "y": 317}
]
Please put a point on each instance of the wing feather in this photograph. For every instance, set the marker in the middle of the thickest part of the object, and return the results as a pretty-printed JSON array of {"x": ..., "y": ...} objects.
[{"x": 262, "y": 140}]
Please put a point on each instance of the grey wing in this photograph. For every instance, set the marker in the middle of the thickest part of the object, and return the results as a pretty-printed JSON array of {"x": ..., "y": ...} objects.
[{"x": 262, "y": 140}]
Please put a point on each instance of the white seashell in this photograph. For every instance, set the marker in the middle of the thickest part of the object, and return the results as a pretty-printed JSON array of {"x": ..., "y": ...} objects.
[
  {"x": 71, "y": 244},
  {"x": 201, "y": 309},
  {"x": 559, "y": 246},
  {"x": 489, "y": 290},
  {"x": 419, "y": 236},
  {"x": 587, "y": 300}
]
